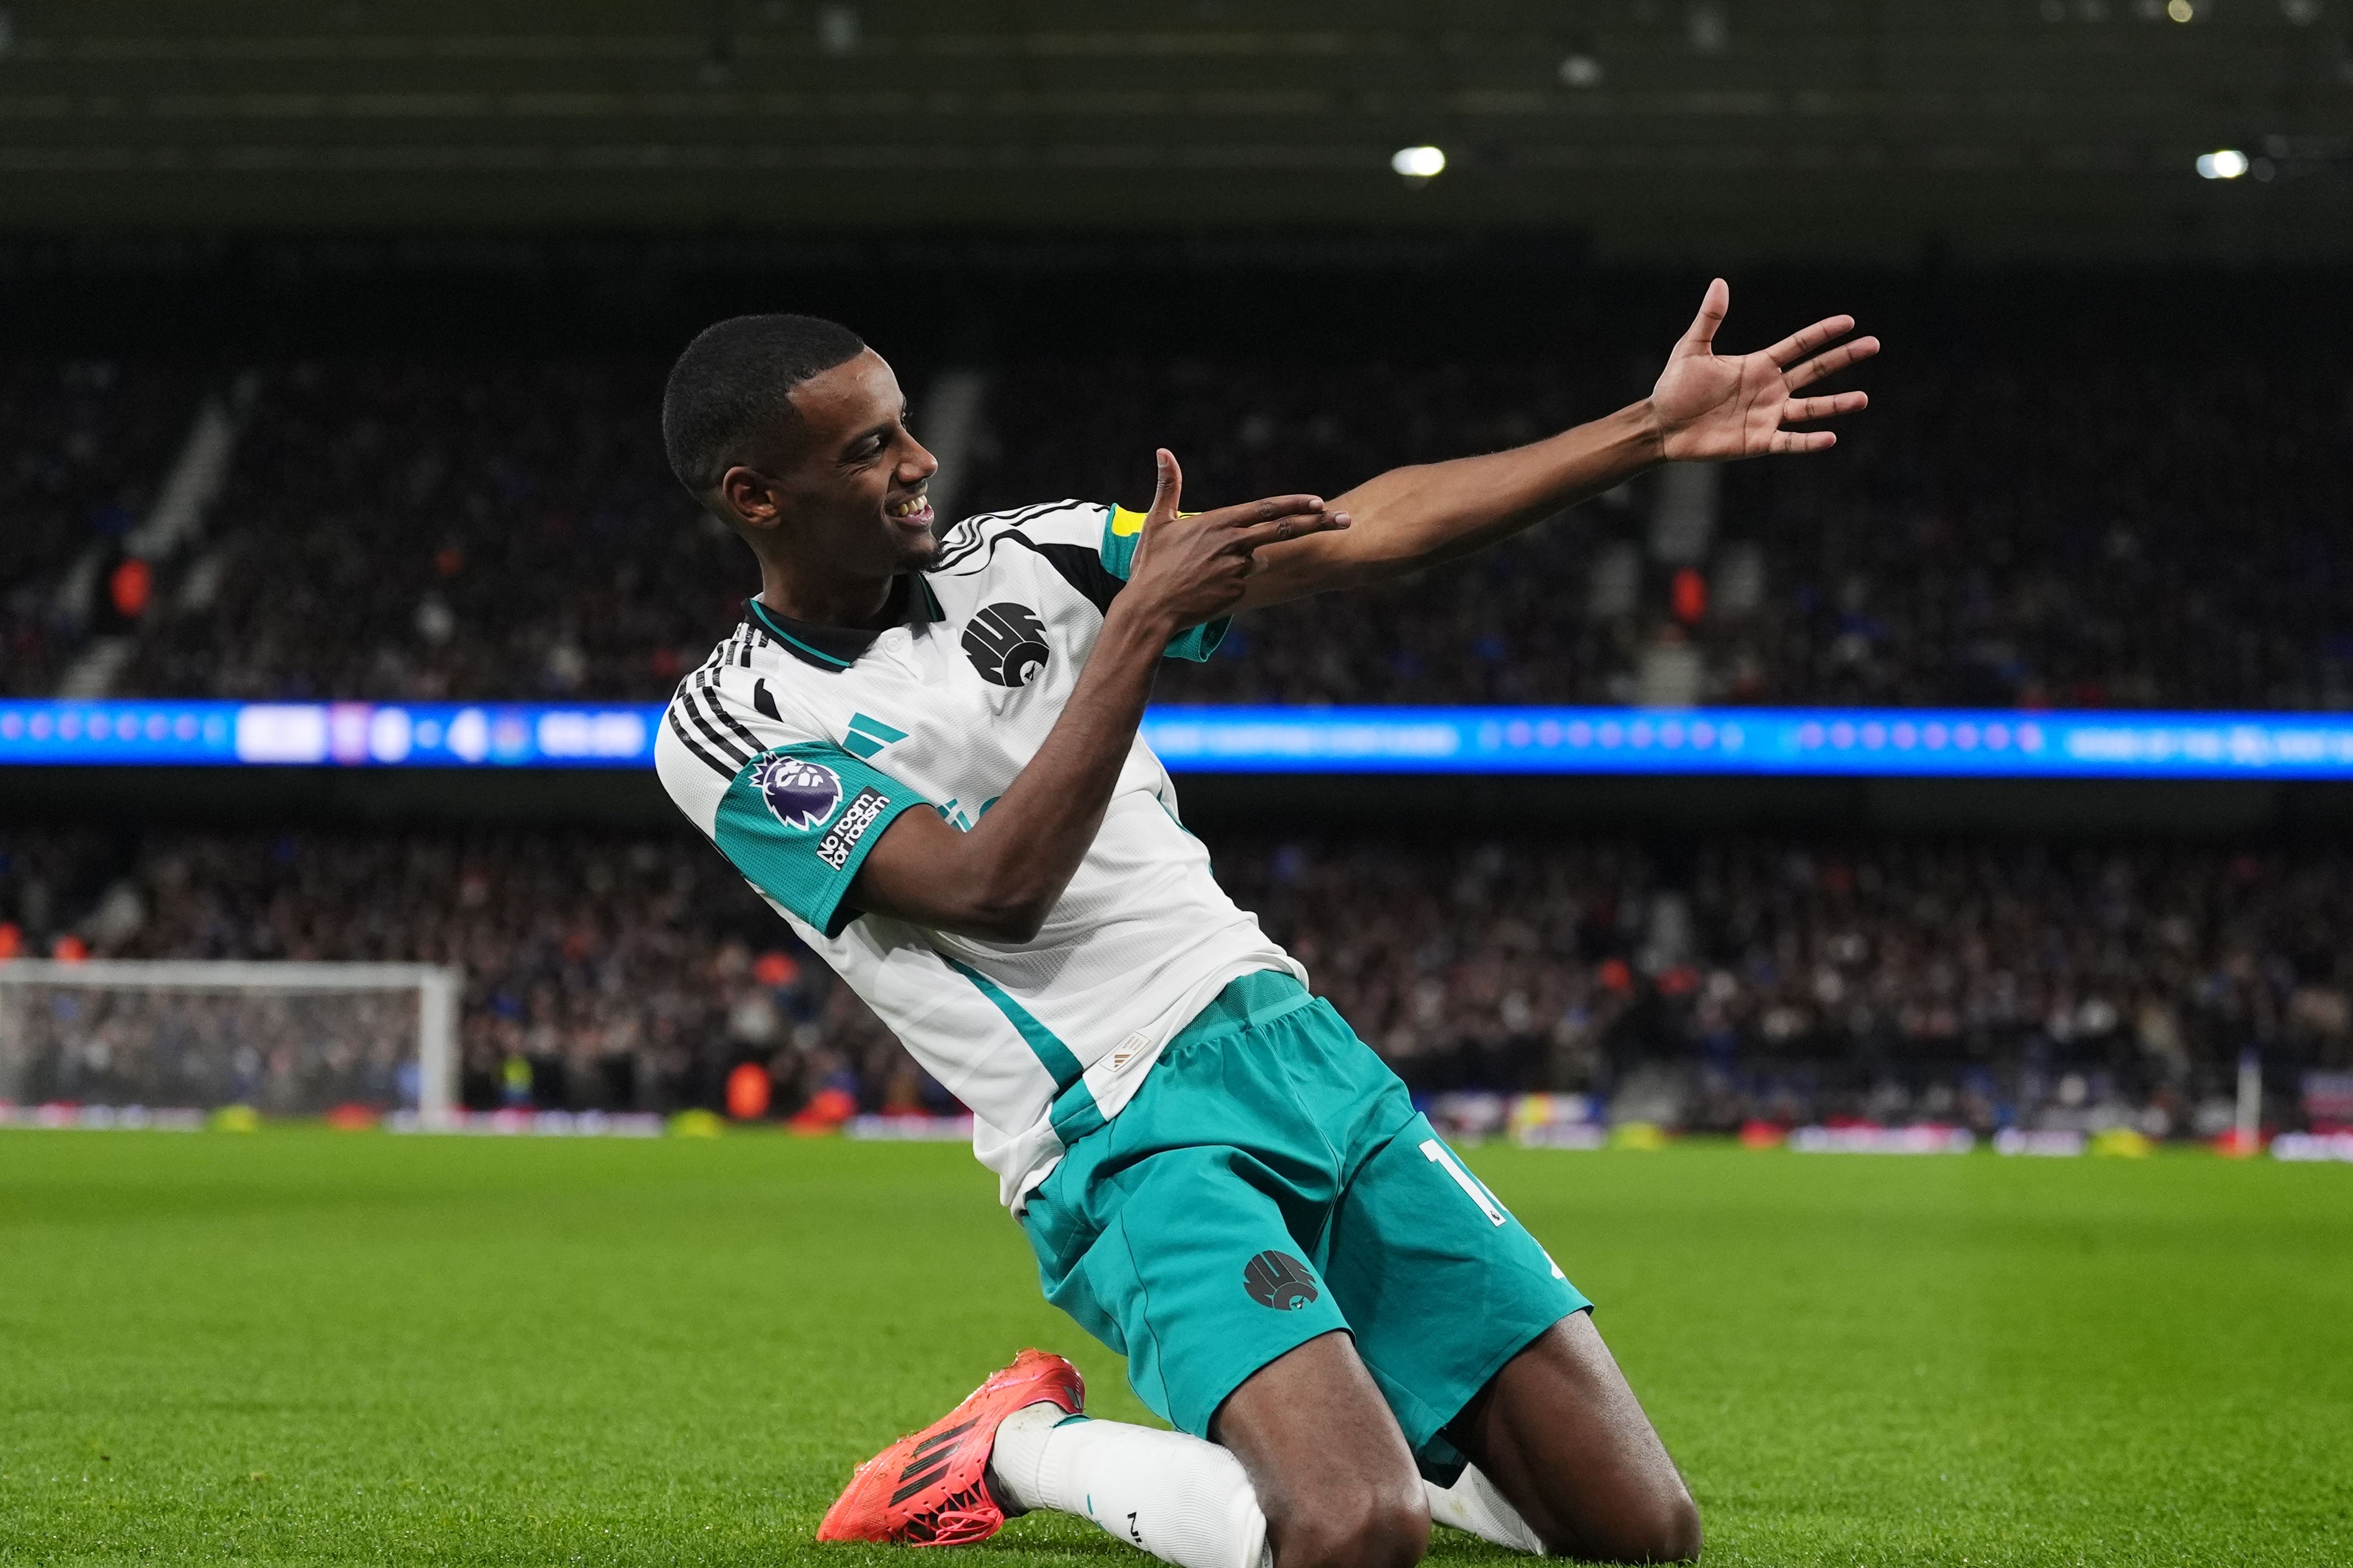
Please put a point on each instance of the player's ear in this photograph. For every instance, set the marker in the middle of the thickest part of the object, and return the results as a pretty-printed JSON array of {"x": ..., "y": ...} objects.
[{"x": 749, "y": 498}]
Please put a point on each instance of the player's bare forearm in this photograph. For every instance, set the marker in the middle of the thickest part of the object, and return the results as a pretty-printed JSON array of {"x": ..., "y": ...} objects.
[
  {"x": 1413, "y": 517},
  {"x": 1706, "y": 407},
  {"x": 999, "y": 881}
]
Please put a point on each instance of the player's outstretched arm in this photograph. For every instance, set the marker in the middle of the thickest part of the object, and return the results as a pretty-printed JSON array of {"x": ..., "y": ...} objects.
[
  {"x": 1706, "y": 407},
  {"x": 999, "y": 880}
]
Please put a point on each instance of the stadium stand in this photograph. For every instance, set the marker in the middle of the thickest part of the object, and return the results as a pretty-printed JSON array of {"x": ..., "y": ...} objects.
[
  {"x": 423, "y": 530},
  {"x": 2045, "y": 526},
  {"x": 2030, "y": 524},
  {"x": 85, "y": 441},
  {"x": 1736, "y": 979}
]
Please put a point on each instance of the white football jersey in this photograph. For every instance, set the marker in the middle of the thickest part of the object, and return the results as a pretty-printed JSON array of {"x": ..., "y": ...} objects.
[{"x": 796, "y": 745}]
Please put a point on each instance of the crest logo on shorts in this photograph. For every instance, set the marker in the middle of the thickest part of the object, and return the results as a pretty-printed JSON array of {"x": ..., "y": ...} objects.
[
  {"x": 1279, "y": 1281},
  {"x": 800, "y": 793},
  {"x": 1006, "y": 643}
]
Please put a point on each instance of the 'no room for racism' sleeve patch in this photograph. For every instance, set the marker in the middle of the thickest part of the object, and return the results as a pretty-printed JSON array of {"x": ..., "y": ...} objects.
[{"x": 799, "y": 821}]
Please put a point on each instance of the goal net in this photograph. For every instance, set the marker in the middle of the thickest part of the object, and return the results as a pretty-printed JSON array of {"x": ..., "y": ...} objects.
[{"x": 286, "y": 1038}]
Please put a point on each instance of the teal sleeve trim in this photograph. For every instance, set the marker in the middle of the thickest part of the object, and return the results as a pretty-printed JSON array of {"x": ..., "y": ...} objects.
[
  {"x": 799, "y": 821},
  {"x": 1200, "y": 642},
  {"x": 1046, "y": 1045},
  {"x": 1122, "y": 531}
]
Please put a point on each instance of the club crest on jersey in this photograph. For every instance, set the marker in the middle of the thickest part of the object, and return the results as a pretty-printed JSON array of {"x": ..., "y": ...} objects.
[
  {"x": 800, "y": 793},
  {"x": 1006, "y": 643},
  {"x": 1279, "y": 1281}
]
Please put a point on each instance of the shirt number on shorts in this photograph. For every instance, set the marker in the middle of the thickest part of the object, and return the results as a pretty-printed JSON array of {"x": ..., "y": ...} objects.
[{"x": 1431, "y": 1149}]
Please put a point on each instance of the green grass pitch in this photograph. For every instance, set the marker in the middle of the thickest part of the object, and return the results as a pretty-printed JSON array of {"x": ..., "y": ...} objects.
[{"x": 311, "y": 1346}]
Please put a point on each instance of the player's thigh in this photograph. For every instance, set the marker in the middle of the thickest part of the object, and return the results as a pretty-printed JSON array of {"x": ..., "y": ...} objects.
[
  {"x": 1562, "y": 1436},
  {"x": 1185, "y": 1263},
  {"x": 1441, "y": 1285},
  {"x": 1331, "y": 1471}
]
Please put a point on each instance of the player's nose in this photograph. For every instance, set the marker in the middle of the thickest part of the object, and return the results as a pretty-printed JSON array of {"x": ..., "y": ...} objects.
[{"x": 919, "y": 465}]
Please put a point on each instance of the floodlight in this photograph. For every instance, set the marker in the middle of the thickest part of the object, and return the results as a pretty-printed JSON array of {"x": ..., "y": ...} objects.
[
  {"x": 1418, "y": 162},
  {"x": 1581, "y": 69},
  {"x": 2227, "y": 164}
]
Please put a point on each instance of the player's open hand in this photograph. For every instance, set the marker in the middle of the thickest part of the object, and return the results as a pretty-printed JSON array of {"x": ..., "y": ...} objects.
[
  {"x": 1193, "y": 568},
  {"x": 1712, "y": 406}
]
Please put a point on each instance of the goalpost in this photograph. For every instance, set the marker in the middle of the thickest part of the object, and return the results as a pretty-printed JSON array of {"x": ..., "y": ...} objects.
[{"x": 290, "y": 1038}]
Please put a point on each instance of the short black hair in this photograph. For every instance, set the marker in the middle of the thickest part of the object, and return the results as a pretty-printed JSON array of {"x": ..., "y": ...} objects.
[{"x": 734, "y": 384}]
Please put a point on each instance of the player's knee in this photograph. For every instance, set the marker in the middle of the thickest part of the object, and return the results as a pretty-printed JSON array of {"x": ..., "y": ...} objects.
[
  {"x": 1636, "y": 1526},
  {"x": 1371, "y": 1527},
  {"x": 1673, "y": 1530},
  {"x": 1661, "y": 1529}
]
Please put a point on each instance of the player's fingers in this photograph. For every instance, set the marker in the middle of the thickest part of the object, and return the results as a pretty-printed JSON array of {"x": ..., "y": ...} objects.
[
  {"x": 1799, "y": 344},
  {"x": 1252, "y": 513},
  {"x": 1799, "y": 409},
  {"x": 1711, "y": 308},
  {"x": 1802, "y": 441},
  {"x": 1277, "y": 530},
  {"x": 1830, "y": 363},
  {"x": 1168, "y": 486}
]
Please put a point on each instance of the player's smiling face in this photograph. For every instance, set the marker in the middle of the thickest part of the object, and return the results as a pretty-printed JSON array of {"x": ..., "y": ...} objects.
[
  {"x": 862, "y": 468},
  {"x": 849, "y": 489}
]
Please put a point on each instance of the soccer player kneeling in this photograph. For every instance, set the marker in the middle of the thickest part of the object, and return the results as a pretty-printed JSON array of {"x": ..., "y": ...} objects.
[{"x": 921, "y": 746}]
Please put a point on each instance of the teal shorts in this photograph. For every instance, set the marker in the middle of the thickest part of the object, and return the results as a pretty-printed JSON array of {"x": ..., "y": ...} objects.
[{"x": 1271, "y": 1183}]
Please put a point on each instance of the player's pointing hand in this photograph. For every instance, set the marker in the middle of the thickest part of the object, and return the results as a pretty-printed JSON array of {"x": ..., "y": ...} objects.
[
  {"x": 1191, "y": 569},
  {"x": 1710, "y": 406}
]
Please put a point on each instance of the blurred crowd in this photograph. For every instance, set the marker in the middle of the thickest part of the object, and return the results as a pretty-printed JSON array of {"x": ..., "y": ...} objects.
[
  {"x": 2058, "y": 520},
  {"x": 601, "y": 973},
  {"x": 1701, "y": 986},
  {"x": 2079, "y": 524},
  {"x": 1710, "y": 984},
  {"x": 428, "y": 531},
  {"x": 82, "y": 445}
]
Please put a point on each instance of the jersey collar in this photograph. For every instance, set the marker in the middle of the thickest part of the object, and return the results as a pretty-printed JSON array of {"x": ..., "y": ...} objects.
[{"x": 837, "y": 648}]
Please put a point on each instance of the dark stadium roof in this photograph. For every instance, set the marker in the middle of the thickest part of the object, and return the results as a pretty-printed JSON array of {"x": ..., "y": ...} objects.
[{"x": 1982, "y": 127}]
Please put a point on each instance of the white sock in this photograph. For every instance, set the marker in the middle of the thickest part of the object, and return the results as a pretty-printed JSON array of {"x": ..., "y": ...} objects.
[
  {"x": 1472, "y": 1503},
  {"x": 1184, "y": 1500}
]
